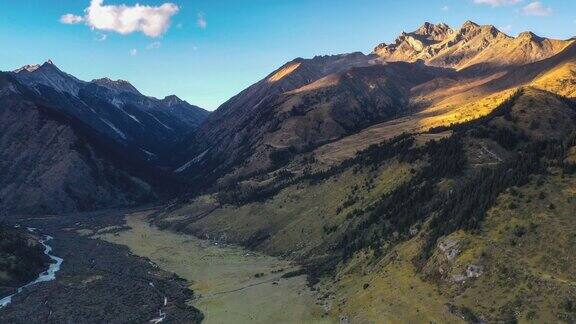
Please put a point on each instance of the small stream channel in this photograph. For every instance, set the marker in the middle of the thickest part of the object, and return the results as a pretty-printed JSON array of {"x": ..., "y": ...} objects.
[{"x": 47, "y": 275}]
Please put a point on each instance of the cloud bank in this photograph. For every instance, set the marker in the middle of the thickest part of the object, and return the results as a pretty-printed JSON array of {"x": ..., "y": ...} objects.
[
  {"x": 498, "y": 3},
  {"x": 536, "y": 9},
  {"x": 149, "y": 20}
]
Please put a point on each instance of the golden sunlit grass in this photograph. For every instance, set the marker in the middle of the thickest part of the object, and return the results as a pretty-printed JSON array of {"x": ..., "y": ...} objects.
[
  {"x": 561, "y": 80},
  {"x": 394, "y": 291},
  {"x": 470, "y": 108},
  {"x": 527, "y": 266},
  {"x": 523, "y": 251}
]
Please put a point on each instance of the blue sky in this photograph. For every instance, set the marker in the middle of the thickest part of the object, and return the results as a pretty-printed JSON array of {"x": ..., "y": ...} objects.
[{"x": 241, "y": 41}]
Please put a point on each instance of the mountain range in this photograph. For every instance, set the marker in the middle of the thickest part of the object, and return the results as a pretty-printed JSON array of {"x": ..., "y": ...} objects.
[
  {"x": 310, "y": 103},
  {"x": 430, "y": 179},
  {"x": 70, "y": 145},
  {"x": 424, "y": 181},
  {"x": 425, "y": 76}
]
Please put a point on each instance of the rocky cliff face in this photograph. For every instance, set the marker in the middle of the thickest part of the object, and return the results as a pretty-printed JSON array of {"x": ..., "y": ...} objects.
[
  {"x": 412, "y": 46},
  {"x": 470, "y": 45}
]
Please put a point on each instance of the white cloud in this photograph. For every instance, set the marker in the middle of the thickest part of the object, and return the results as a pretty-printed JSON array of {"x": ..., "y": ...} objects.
[
  {"x": 445, "y": 8},
  {"x": 498, "y": 3},
  {"x": 153, "y": 45},
  {"x": 201, "y": 21},
  {"x": 133, "y": 52},
  {"x": 101, "y": 37},
  {"x": 536, "y": 8},
  {"x": 70, "y": 19},
  {"x": 149, "y": 20}
]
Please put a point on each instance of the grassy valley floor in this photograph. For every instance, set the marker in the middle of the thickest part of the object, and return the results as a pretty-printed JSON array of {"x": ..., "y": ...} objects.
[{"x": 232, "y": 285}]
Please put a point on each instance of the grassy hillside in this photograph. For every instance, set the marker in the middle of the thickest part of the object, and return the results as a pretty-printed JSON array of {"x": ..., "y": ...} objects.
[
  {"x": 300, "y": 220},
  {"x": 519, "y": 256},
  {"x": 445, "y": 225}
]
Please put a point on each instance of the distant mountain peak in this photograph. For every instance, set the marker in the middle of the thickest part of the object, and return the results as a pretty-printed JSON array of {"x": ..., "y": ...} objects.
[
  {"x": 172, "y": 97},
  {"x": 49, "y": 75},
  {"x": 27, "y": 68},
  {"x": 50, "y": 66},
  {"x": 172, "y": 100},
  {"x": 116, "y": 85},
  {"x": 436, "y": 31},
  {"x": 471, "y": 44},
  {"x": 34, "y": 67},
  {"x": 469, "y": 24},
  {"x": 106, "y": 80},
  {"x": 528, "y": 35}
]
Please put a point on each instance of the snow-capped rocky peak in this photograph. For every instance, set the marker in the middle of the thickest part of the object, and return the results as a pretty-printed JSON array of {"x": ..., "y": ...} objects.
[
  {"x": 33, "y": 67},
  {"x": 28, "y": 68},
  {"x": 49, "y": 75}
]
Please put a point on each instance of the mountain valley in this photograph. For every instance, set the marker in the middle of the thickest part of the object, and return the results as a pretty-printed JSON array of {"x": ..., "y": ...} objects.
[{"x": 432, "y": 180}]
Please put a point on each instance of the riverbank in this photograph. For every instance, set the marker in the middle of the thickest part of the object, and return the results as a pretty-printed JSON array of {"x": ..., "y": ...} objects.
[
  {"x": 99, "y": 282},
  {"x": 232, "y": 285},
  {"x": 48, "y": 275},
  {"x": 22, "y": 258}
]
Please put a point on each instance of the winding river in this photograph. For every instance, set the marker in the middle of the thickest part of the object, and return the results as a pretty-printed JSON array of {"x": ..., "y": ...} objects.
[{"x": 47, "y": 275}]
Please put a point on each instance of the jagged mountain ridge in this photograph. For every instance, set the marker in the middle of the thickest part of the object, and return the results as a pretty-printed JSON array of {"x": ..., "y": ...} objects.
[
  {"x": 446, "y": 67},
  {"x": 51, "y": 163},
  {"x": 69, "y": 145},
  {"x": 117, "y": 109},
  {"x": 470, "y": 45}
]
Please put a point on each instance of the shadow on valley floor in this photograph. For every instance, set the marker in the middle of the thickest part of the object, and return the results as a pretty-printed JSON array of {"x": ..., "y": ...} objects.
[{"x": 99, "y": 282}]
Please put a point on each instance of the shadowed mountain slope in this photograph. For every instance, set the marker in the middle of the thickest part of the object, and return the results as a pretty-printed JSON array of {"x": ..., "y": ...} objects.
[
  {"x": 51, "y": 163},
  {"x": 301, "y": 119},
  {"x": 432, "y": 72},
  {"x": 117, "y": 110}
]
